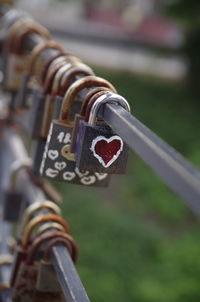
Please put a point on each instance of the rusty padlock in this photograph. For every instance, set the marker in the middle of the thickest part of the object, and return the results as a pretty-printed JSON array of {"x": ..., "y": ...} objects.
[
  {"x": 98, "y": 148},
  {"x": 25, "y": 287}
]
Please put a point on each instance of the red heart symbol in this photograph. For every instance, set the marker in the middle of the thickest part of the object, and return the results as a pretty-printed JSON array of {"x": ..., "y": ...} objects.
[{"x": 107, "y": 150}]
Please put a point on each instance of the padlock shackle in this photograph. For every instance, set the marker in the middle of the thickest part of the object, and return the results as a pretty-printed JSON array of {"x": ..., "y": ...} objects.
[
  {"x": 68, "y": 241},
  {"x": 36, "y": 206},
  {"x": 30, "y": 28},
  {"x": 54, "y": 85},
  {"x": 88, "y": 97},
  {"x": 74, "y": 89},
  {"x": 38, "y": 220},
  {"x": 50, "y": 77},
  {"x": 37, "y": 51},
  {"x": 92, "y": 101},
  {"x": 14, "y": 29},
  {"x": 78, "y": 68},
  {"x": 110, "y": 98},
  {"x": 49, "y": 226},
  {"x": 46, "y": 237},
  {"x": 16, "y": 167},
  {"x": 58, "y": 77},
  {"x": 46, "y": 65}
]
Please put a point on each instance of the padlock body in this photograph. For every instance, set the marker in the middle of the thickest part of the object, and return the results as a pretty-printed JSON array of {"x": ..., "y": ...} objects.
[
  {"x": 36, "y": 113},
  {"x": 99, "y": 149},
  {"x": 12, "y": 201},
  {"x": 25, "y": 284},
  {"x": 15, "y": 66},
  {"x": 57, "y": 164},
  {"x": 38, "y": 148}
]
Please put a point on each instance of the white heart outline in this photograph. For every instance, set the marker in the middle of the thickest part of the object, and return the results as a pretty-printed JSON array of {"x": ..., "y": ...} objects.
[
  {"x": 70, "y": 177},
  {"x": 101, "y": 176},
  {"x": 80, "y": 174},
  {"x": 49, "y": 172},
  {"x": 54, "y": 155},
  {"x": 108, "y": 140},
  {"x": 92, "y": 180},
  {"x": 60, "y": 165}
]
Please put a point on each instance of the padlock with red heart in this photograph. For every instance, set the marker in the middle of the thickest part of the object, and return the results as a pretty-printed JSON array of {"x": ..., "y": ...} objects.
[{"x": 98, "y": 148}]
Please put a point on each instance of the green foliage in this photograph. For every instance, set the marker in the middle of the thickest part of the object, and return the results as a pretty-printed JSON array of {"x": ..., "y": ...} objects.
[{"x": 138, "y": 242}]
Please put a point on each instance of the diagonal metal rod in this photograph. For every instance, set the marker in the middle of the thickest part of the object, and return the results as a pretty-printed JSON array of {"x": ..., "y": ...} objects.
[
  {"x": 176, "y": 172},
  {"x": 70, "y": 282}
]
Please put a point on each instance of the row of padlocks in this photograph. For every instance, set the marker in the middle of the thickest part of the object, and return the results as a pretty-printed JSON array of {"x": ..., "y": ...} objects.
[{"x": 55, "y": 99}]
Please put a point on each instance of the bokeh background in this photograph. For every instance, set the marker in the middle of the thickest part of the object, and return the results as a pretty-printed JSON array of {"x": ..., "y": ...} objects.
[{"x": 137, "y": 240}]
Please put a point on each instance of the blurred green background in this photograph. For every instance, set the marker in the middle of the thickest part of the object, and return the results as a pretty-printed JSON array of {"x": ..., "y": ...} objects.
[{"x": 137, "y": 240}]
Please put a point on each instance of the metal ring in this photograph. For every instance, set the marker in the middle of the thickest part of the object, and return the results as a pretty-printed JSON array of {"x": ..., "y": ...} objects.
[
  {"x": 75, "y": 88},
  {"x": 107, "y": 98},
  {"x": 69, "y": 242},
  {"x": 36, "y": 206},
  {"x": 48, "y": 236},
  {"x": 41, "y": 219},
  {"x": 49, "y": 226}
]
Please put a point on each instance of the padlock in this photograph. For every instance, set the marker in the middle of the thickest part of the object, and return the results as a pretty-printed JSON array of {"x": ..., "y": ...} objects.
[
  {"x": 24, "y": 96},
  {"x": 13, "y": 196},
  {"x": 81, "y": 116},
  {"x": 46, "y": 275},
  {"x": 25, "y": 238},
  {"x": 18, "y": 62},
  {"x": 98, "y": 148},
  {"x": 58, "y": 163},
  {"x": 25, "y": 287}
]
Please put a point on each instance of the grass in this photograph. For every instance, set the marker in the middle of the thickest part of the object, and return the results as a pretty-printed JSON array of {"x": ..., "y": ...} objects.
[{"x": 137, "y": 240}]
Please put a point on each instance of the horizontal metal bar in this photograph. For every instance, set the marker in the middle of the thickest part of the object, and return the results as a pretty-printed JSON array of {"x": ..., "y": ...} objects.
[
  {"x": 70, "y": 283},
  {"x": 176, "y": 172}
]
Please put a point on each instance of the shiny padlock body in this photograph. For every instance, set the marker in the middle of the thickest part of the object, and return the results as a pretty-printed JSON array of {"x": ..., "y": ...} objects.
[
  {"x": 58, "y": 164},
  {"x": 99, "y": 149}
]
